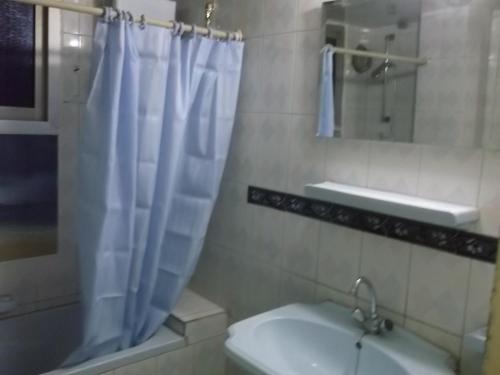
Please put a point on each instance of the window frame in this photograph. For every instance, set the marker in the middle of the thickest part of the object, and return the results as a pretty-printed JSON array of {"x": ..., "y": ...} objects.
[{"x": 49, "y": 83}]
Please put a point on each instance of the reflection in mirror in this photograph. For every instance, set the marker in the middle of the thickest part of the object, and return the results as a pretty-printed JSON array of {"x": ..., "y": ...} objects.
[{"x": 448, "y": 99}]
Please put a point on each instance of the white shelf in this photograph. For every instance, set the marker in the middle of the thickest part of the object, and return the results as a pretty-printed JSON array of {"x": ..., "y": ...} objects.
[{"x": 404, "y": 206}]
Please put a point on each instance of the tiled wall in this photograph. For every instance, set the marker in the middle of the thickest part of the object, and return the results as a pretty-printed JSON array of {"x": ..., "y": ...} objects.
[
  {"x": 456, "y": 37},
  {"x": 41, "y": 282},
  {"x": 257, "y": 258}
]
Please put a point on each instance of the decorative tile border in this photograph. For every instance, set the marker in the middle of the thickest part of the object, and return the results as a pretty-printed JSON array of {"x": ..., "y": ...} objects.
[{"x": 451, "y": 240}]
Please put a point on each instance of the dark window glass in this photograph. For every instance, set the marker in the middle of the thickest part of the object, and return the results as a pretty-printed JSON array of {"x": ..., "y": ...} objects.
[
  {"x": 28, "y": 193},
  {"x": 17, "y": 55}
]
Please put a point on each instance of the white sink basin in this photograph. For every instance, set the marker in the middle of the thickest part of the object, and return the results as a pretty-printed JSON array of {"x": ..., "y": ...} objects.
[{"x": 324, "y": 340}]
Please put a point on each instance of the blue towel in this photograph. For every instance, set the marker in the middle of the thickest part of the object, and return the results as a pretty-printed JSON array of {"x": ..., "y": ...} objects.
[{"x": 326, "y": 112}]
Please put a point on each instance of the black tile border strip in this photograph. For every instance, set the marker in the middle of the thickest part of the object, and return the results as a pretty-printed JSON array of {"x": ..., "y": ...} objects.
[{"x": 455, "y": 241}]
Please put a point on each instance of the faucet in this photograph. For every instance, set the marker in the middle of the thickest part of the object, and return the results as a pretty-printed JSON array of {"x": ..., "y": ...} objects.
[{"x": 371, "y": 322}]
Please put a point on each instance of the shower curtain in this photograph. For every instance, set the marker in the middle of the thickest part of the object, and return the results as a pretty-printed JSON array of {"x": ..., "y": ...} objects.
[{"x": 158, "y": 124}]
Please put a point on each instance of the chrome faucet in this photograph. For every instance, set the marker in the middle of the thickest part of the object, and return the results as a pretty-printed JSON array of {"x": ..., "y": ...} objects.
[{"x": 371, "y": 322}]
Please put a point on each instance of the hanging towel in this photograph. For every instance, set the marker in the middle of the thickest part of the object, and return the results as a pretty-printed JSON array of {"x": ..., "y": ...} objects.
[{"x": 326, "y": 111}]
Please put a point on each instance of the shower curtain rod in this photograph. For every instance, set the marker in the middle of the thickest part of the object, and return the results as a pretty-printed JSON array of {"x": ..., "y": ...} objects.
[
  {"x": 99, "y": 11},
  {"x": 378, "y": 55}
]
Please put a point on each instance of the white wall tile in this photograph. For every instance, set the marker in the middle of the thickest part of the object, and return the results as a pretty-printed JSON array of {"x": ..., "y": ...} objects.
[
  {"x": 450, "y": 174},
  {"x": 240, "y": 165},
  {"x": 478, "y": 300},
  {"x": 295, "y": 289},
  {"x": 236, "y": 282},
  {"x": 70, "y": 22},
  {"x": 438, "y": 289},
  {"x": 278, "y": 16},
  {"x": 263, "y": 285},
  {"x": 347, "y": 161},
  {"x": 146, "y": 367},
  {"x": 208, "y": 278},
  {"x": 251, "y": 85},
  {"x": 266, "y": 236},
  {"x": 208, "y": 357},
  {"x": 394, "y": 167},
  {"x": 444, "y": 340},
  {"x": 489, "y": 195},
  {"x": 309, "y": 14},
  {"x": 386, "y": 263},
  {"x": 306, "y": 72},
  {"x": 231, "y": 205},
  {"x": 178, "y": 362},
  {"x": 300, "y": 248},
  {"x": 87, "y": 24},
  {"x": 85, "y": 60},
  {"x": 70, "y": 66},
  {"x": 339, "y": 256},
  {"x": 306, "y": 154},
  {"x": 324, "y": 293},
  {"x": 276, "y": 73},
  {"x": 271, "y": 161}
]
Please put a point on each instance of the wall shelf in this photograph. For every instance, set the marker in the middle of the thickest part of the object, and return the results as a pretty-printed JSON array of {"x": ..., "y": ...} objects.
[{"x": 404, "y": 206}]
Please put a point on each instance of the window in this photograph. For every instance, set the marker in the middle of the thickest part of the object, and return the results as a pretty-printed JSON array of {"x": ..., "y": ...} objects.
[
  {"x": 28, "y": 155},
  {"x": 22, "y": 62}
]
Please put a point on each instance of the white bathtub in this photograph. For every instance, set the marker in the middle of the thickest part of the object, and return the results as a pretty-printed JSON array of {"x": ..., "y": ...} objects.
[{"x": 37, "y": 343}]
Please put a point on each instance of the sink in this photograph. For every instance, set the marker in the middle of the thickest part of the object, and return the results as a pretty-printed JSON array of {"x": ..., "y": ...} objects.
[{"x": 323, "y": 339}]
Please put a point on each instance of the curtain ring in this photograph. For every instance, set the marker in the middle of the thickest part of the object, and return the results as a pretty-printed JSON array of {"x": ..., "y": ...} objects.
[
  {"x": 118, "y": 15},
  {"x": 106, "y": 16},
  {"x": 176, "y": 27},
  {"x": 182, "y": 28},
  {"x": 142, "y": 24},
  {"x": 130, "y": 17},
  {"x": 239, "y": 36}
]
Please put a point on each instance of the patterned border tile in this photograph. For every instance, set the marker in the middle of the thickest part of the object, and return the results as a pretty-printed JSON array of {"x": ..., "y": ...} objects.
[{"x": 451, "y": 240}]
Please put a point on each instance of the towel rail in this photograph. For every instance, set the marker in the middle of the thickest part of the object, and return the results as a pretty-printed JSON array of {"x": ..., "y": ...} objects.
[{"x": 378, "y": 55}]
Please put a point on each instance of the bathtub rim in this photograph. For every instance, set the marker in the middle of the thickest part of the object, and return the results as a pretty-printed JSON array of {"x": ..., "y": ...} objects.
[{"x": 163, "y": 341}]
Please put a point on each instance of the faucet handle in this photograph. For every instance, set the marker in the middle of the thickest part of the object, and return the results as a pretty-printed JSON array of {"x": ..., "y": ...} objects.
[
  {"x": 358, "y": 315},
  {"x": 386, "y": 325}
]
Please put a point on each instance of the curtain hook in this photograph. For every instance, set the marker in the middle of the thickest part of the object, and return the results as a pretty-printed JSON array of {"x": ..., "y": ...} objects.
[
  {"x": 142, "y": 24},
  {"x": 210, "y": 33},
  {"x": 239, "y": 35}
]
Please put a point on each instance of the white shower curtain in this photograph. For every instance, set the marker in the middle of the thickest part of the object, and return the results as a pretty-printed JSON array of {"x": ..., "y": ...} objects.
[{"x": 158, "y": 125}]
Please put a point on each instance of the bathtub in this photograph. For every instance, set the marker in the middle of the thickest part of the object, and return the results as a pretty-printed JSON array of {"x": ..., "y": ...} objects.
[{"x": 38, "y": 342}]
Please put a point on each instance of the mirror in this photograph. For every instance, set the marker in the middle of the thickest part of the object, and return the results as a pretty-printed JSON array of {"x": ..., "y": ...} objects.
[{"x": 435, "y": 79}]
